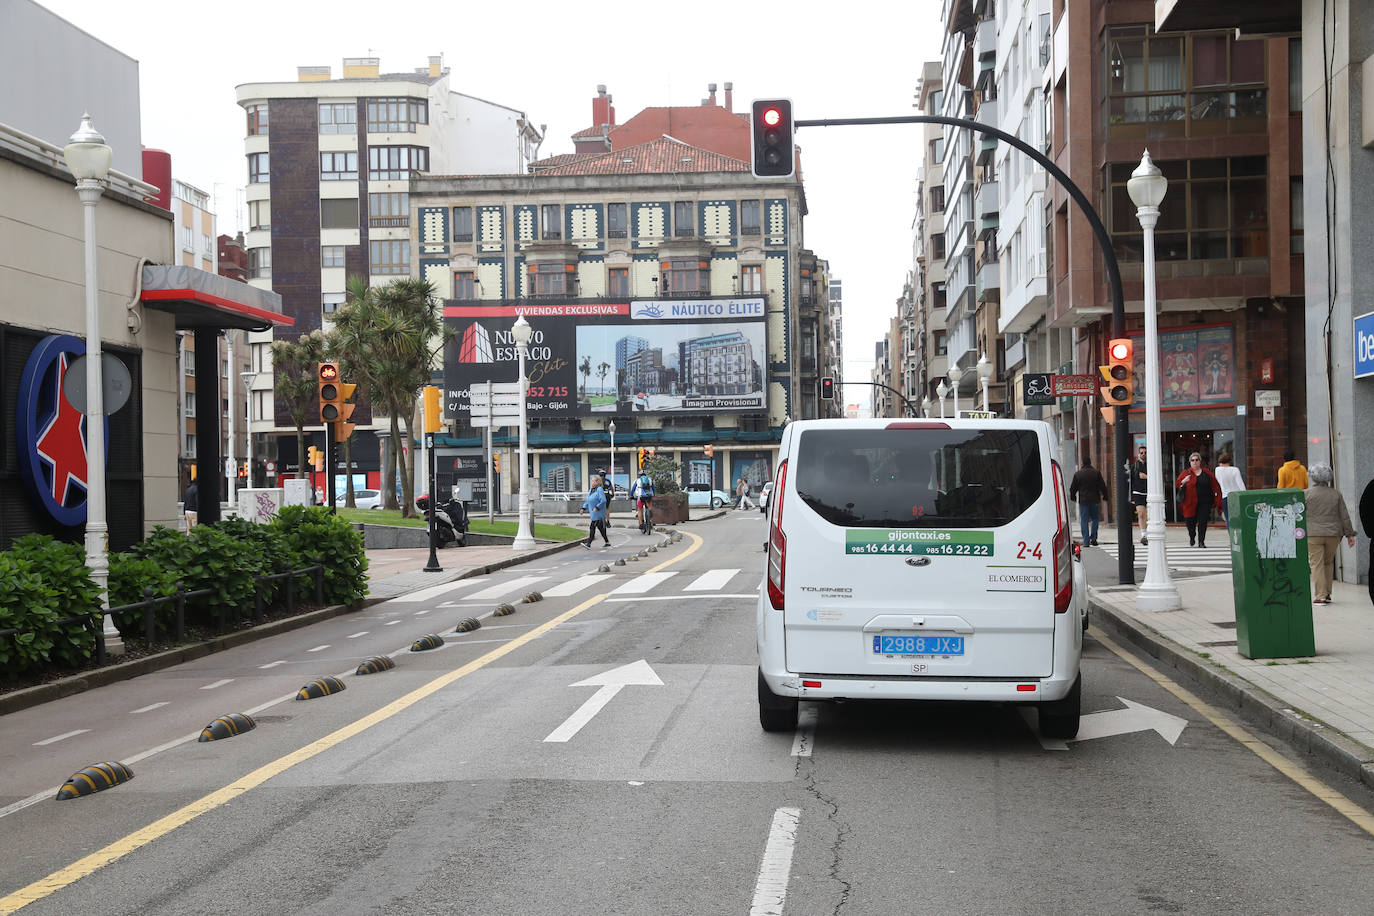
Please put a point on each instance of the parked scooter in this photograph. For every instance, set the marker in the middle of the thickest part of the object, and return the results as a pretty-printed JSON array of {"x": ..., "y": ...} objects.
[{"x": 450, "y": 521}]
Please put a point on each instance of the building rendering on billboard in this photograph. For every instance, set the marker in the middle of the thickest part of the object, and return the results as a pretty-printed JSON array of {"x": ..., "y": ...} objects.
[{"x": 603, "y": 357}]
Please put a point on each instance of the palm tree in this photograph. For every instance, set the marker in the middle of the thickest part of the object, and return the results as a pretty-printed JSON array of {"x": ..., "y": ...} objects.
[
  {"x": 295, "y": 368},
  {"x": 388, "y": 339},
  {"x": 601, "y": 371},
  {"x": 586, "y": 370}
]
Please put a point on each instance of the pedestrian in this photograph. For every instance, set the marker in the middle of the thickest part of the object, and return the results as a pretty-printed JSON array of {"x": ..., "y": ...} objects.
[
  {"x": 1140, "y": 490},
  {"x": 1367, "y": 520},
  {"x": 1089, "y": 489},
  {"x": 742, "y": 495},
  {"x": 1327, "y": 521},
  {"x": 643, "y": 495},
  {"x": 190, "y": 504},
  {"x": 1229, "y": 477},
  {"x": 1292, "y": 475},
  {"x": 1198, "y": 495},
  {"x": 595, "y": 507}
]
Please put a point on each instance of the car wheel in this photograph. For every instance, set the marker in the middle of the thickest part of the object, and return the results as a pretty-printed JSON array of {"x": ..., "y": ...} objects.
[
  {"x": 776, "y": 714},
  {"x": 1059, "y": 718},
  {"x": 717, "y": 502}
]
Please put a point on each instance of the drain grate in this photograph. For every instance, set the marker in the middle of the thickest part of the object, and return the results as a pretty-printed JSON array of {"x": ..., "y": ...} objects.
[{"x": 1220, "y": 642}]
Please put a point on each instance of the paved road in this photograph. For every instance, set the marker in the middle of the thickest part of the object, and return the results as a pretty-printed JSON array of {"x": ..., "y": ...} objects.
[{"x": 599, "y": 752}]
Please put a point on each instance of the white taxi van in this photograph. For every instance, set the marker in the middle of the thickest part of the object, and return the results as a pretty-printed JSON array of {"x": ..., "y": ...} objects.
[{"x": 920, "y": 560}]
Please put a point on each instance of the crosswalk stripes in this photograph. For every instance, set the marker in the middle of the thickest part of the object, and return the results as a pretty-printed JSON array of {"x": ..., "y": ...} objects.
[
  {"x": 573, "y": 586},
  {"x": 1192, "y": 559},
  {"x": 504, "y": 588},
  {"x": 443, "y": 588},
  {"x": 641, "y": 584},
  {"x": 711, "y": 580}
]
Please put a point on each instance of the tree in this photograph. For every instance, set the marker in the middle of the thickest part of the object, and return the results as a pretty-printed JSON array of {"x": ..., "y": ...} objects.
[
  {"x": 295, "y": 368},
  {"x": 601, "y": 371},
  {"x": 388, "y": 339},
  {"x": 586, "y": 369}
]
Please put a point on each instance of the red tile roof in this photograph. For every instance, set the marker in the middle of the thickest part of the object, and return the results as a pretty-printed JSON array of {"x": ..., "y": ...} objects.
[{"x": 656, "y": 156}]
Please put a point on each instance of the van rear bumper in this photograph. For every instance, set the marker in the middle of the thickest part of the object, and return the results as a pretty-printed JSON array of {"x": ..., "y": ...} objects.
[{"x": 842, "y": 687}]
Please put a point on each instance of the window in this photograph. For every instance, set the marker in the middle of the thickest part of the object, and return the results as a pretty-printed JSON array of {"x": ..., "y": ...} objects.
[
  {"x": 618, "y": 281},
  {"x": 550, "y": 221},
  {"x": 396, "y": 163},
  {"x": 338, "y": 166},
  {"x": 937, "y": 295},
  {"x": 259, "y": 214},
  {"x": 190, "y": 410},
  {"x": 464, "y": 285},
  {"x": 338, "y": 118},
  {"x": 188, "y": 241},
  {"x": 1294, "y": 75},
  {"x": 684, "y": 218},
  {"x": 550, "y": 279},
  {"x": 339, "y": 213},
  {"x": 1295, "y": 217},
  {"x": 462, "y": 224},
  {"x": 396, "y": 115},
  {"x": 332, "y": 256},
  {"x": 260, "y": 263},
  {"x": 937, "y": 199},
  {"x": 750, "y": 217},
  {"x": 390, "y": 256},
  {"x": 751, "y": 278},
  {"x": 617, "y": 221},
  {"x": 190, "y": 445},
  {"x": 391, "y": 208},
  {"x": 257, "y": 120},
  {"x": 937, "y": 246},
  {"x": 332, "y": 302},
  {"x": 941, "y": 343},
  {"x": 258, "y": 168},
  {"x": 937, "y": 150},
  {"x": 1218, "y": 210},
  {"x": 686, "y": 277}
]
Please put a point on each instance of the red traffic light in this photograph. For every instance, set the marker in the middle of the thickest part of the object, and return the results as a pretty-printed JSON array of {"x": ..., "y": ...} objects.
[
  {"x": 328, "y": 372},
  {"x": 1120, "y": 350},
  {"x": 772, "y": 117}
]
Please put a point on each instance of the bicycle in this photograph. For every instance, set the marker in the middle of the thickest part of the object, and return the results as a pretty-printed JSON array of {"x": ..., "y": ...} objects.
[{"x": 646, "y": 518}]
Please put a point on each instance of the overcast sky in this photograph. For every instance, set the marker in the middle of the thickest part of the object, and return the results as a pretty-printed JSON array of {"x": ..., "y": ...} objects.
[{"x": 856, "y": 59}]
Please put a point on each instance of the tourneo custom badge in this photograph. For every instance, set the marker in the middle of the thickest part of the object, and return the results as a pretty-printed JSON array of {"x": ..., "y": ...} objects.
[{"x": 51, "y": 432}]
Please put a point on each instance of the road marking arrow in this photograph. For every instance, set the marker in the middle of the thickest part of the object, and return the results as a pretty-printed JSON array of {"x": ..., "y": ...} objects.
[
  {"x": 611, "y": 682},
  {"x": 1136, "y": 717}
]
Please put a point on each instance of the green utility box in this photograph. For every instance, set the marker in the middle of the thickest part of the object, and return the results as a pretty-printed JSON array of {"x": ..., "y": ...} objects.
[{"x": 1269, "y": 573}]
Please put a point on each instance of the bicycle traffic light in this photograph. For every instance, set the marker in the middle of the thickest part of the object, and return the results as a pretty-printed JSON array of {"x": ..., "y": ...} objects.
[
  {"x": 770, "y": 136},
  {"x": 328, "y": 378},
  {"x": 827, "y": 388},
  {"x": 1119, "y": 373},
  {"x": 433, "y": 421}
]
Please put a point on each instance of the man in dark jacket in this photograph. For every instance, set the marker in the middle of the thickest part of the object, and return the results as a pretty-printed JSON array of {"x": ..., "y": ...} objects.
[
  {"x": 1090, "y": 490},
  {"x": 1367, "y": 520},
  {"x": 191, "y": 505}
]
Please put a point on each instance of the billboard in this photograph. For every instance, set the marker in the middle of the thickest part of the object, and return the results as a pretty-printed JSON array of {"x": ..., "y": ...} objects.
[{"x": 591, "y": 357}]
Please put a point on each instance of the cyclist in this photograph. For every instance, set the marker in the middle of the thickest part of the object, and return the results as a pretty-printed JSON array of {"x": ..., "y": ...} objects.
[{"x": 643, "y": 493}]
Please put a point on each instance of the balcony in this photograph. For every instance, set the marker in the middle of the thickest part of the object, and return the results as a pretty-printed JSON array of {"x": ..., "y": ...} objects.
[
  {"x": 989, "y": 283},
  {"x": 987, "y": 200}
]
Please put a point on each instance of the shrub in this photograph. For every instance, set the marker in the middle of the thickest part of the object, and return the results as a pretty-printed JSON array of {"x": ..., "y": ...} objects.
[
  {"x": 206, "y": 558},
  {"x": 130, "y": 574},
  {"x": 43, "y": 581},
  {"x": 310, "y": 532}
]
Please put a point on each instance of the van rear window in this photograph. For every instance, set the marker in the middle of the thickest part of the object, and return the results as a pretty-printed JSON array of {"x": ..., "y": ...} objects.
[{"x": 919, "y": 478}]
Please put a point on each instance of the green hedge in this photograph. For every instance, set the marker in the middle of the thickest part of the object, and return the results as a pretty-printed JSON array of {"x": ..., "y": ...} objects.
[{"x": 43, "y": 581}]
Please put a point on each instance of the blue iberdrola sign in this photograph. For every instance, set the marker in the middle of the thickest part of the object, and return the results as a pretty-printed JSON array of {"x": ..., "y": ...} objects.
[
  {"x": 1364, "y": 345},
  {"x": 52, "y": 433}
]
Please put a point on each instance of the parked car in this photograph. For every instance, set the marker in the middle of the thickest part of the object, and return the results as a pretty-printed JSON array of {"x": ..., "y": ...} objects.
[
  {"x": 700, "y": 494},
  {"x": 362, "y": 499},
  {"x": 763, "y": 496}
]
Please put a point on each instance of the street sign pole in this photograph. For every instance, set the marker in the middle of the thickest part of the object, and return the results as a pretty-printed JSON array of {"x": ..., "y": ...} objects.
[
  {"x": 491, "y": 489},
  {"x": 433, "y": 565}
]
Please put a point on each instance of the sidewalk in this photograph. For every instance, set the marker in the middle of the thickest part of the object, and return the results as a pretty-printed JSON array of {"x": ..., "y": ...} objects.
[{"x": 1324, "y": 704}]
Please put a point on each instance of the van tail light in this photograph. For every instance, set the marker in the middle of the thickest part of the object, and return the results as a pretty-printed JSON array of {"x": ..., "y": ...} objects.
[
  {"x": 1063, "y": 546},
  {"x": 777, "y": 542}
]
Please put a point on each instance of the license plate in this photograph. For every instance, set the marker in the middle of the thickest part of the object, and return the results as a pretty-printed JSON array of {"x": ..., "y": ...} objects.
[{"x": 918, "y": 645}]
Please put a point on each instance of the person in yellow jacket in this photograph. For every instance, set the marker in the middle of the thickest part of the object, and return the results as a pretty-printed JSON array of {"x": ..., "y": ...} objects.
[{"x": 1292, "y": 475}]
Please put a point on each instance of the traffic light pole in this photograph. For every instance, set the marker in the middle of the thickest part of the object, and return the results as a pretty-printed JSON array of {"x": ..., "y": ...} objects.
[
  {"x": 909, "y": 406},
  {"x": 1125, "y": 544},
  {"x": 433, "y": 564}
]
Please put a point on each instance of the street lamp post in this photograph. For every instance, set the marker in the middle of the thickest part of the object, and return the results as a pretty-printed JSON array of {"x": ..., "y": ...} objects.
[
  {"x": 943, "y": 391},
  {"x": 928, "y": 406},
  {"x": 524, "y": 536},
  {"x": 1147, "y": 187},
  {"x": 984, "y": 376},
  {"x": 954, "y": 373},
  {"x": 610, "y": 428},
  {"x": 88, "y": 156},
  {"x": 248, "y": 377}
]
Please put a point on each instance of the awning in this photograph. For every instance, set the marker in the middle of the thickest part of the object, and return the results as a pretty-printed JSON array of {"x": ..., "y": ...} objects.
[
  {"x": 200, "y": 299},
  {"x": 1250, "y": 18}
]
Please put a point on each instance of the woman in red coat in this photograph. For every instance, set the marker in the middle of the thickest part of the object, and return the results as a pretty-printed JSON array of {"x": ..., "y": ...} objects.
[{"x": 1199, "y": 495}]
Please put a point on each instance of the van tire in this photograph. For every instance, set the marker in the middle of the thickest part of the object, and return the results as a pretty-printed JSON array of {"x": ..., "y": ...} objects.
[
  {"x": 776, "y": 714},
  {"x": 1059, "y": 718}
]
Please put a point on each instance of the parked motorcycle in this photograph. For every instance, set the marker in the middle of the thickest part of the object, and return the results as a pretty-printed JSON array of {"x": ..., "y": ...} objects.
[{"x": 450, "y": 520}]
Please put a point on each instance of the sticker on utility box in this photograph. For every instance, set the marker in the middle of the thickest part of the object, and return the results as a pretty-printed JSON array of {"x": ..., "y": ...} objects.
[
  {"x": 1017, "y": 579},
  {"x": 918, "y": 542}
]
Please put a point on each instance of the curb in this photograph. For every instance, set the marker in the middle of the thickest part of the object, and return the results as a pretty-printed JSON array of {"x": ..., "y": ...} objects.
[
  {"x": 1234, "y": 694},
  {"x": 112, "y": 674}
]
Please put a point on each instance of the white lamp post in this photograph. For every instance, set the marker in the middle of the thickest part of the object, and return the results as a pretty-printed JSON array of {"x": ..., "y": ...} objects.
[
  {"x": 89, "y": 156},
  {"x": 1157, "y": 593},
  {"x": 610, "y": 428},
  {"x": 984, "y": 376},
  {"x": 943, "y": 391},
  {"x": 248, "y": 376},
  {"x": 954, "y": 373},
  {"x": 524, "y": 535}
]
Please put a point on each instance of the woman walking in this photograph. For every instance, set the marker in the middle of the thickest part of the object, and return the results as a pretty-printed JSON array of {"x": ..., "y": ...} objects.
[
  {"x": 1199, "y": 494},
  {"x": 1229, "y": 477},
  {"x": 1327, "y": 521},
  {"x": 595, "y": 507}
]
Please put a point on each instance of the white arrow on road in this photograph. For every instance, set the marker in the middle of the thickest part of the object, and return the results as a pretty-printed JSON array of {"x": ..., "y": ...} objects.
[
  {"x": 1136, "y": 717},
  {"x": 611, "y": 682}
]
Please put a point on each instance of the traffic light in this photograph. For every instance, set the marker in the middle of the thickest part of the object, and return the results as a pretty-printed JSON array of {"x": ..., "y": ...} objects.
[
  {"x": 328, "y": 378},
  {"x": 433, "y": 420},
  {"x": 827, "y": 388},
  {"x": 342, "y": 428},
  {"x": 1119, "y": 372},
  {"x": 496, "y": 462},
  {"x": 314, "y": 458},
  {"x": 710, "y": 451},
  {"x": 643, "y": 455},
  {"x": 770, "y": 136}
]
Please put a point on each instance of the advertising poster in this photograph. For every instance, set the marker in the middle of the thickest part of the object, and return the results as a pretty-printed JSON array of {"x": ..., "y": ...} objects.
[
  {"x": 1196, "y": 367},
  {"x": 590, "y": 357},
  {"x": 560, "y": 473}
]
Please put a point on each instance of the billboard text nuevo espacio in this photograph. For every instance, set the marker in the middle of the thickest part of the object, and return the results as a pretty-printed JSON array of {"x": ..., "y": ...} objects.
[{"x": 596, "y": 356}]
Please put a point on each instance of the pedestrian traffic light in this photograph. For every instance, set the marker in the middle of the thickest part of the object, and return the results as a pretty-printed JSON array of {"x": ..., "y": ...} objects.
[
  {"x": 827, "y": 388},
  {"x": 496, "y": 462},
  {"x": 1119, "y": 373},
  {"x": 710, "y": 451},
  {"x": 770, "y": 135},
  {"x": 433, "y": 421}
]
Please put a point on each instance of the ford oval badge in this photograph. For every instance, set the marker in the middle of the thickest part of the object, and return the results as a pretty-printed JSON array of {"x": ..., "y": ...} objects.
[{"x": 918, "y": 561}]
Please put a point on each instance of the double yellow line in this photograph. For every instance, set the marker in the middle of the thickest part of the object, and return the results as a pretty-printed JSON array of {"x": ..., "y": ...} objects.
[{"x": 115, "y": 851}]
